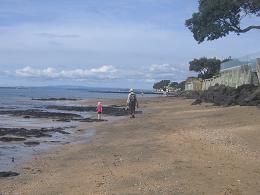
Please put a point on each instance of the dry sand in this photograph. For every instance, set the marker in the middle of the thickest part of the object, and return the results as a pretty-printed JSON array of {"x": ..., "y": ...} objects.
[{"x": 173, "y": 148}]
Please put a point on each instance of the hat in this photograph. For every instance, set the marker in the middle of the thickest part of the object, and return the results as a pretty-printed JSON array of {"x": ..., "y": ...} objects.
[{"x": 131, "y": 90}]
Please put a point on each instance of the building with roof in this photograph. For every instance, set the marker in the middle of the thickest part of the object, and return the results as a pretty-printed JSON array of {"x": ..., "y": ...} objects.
[{"x": 193, "y": 84}]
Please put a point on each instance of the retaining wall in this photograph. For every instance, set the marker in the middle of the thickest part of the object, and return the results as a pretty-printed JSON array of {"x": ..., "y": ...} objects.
[
  {"x": 258, "y": 68},
  {"x": 233, "y": 77}
]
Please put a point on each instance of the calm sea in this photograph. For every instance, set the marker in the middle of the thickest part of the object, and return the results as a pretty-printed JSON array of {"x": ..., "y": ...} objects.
[{"x": 21, "y": 97}]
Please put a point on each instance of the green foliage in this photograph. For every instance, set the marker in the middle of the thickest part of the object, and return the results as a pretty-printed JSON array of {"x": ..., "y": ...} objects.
[
  {"x": 182, "y": 85},
  {"x": 165, "y": 83},
  {"x": 207, "y": 68},
  {"x": 226, "y": 59},
  {"x": 217, "y": 18},
  {"x": 174, "y": 84},
  {"x": 162, "y": 84}
]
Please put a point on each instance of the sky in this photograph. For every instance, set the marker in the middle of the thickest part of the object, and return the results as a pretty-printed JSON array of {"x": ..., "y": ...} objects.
[{"x": 105, "y": 43}]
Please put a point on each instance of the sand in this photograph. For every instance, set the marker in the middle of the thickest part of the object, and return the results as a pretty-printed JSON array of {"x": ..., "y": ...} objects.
[{"x": 172, "y": 148}]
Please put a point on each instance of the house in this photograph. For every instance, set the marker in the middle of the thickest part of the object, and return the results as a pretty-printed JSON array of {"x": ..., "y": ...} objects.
[{"x": 193, "y": 84}]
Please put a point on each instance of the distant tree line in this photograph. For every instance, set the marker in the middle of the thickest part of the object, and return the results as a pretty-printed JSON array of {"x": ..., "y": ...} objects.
[{"x": 163, "y": 84}]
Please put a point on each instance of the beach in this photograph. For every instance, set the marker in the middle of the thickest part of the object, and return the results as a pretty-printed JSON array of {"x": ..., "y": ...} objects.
[
  {"x": 36, "y": 119},
  {"x": 172, "y": 148}
]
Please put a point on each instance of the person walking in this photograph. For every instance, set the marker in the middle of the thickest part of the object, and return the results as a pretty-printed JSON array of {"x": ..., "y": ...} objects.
[
  {"x": 132, "y": 103},
  {"x": 99, "y": 110}
]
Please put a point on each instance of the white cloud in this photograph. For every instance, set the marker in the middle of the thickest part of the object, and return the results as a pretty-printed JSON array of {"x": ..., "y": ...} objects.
[
  {"x": 165, "y": 68},
  {"x": 28, "y": 71},
  {"x": 145, "y": 75},
  {"x": 105, "y": 71},
  {"x": 158, "y": 72}
]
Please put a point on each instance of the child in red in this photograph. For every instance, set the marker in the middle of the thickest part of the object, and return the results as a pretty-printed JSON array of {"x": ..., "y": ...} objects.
[{"x": 99, "y": 110}]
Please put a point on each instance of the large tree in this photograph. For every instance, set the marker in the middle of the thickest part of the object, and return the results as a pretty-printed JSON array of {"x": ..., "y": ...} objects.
[
  {"x": 206, "y": 68},
  {"x": 217, "y": 18}
]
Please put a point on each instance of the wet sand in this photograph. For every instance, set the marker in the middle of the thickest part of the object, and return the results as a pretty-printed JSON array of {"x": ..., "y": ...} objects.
[{"x": 172, "y": 148}]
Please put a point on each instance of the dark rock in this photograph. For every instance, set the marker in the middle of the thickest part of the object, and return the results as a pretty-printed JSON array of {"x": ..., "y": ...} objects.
[
  {"x": 191, "y": 94},
  {"x": 196, "y": 102},
  {"x": 8, "y": 174},
  {"x": 89, "y": 120},
  {"x": 73, "y": 108},
  {"x": 11, "y": 139},
  {"x": 56, "y": 99},
  {"x": 22, "y": 132},
  {"x": 32, "y": 143},
  {"x": 220, "y": 95},
  {"x": 40, "y": 114},
  {"x": 62, "y": 132},
  {"x": 64, "y": 120}
]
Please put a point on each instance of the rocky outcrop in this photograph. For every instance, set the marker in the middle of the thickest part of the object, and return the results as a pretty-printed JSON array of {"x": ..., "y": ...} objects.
[
  {"x": 34, "y": 113},
  {"x": 220, "y": 95}
]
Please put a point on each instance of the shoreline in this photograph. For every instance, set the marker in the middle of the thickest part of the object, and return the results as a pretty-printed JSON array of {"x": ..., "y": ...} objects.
[
  {"x": 172, "y": 148},
  {"x": 20, "y": 143}
]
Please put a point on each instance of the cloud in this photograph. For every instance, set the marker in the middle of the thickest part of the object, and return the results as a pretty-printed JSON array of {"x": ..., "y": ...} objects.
[
  {"x": 162, "y": 68},
  {"x": 103, "y": 72},
  {"x": 153, "y": 73},
  {"x": 145, "y": 75},
  {"x": 166, "y": 71}
]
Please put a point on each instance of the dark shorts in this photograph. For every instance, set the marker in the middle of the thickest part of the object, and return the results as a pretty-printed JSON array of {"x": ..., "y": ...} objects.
[
  {"x": 132, "y": 108},
  {"x": 99, "y": 112}
]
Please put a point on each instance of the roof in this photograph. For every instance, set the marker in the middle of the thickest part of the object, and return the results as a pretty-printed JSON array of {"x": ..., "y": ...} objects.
[
  {"x": 250, "y": 60},
  {"x": 190, "y": 79}
]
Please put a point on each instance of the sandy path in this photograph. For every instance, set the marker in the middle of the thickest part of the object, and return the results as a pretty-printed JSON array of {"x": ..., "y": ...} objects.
[{"x": 173, "y": 148}]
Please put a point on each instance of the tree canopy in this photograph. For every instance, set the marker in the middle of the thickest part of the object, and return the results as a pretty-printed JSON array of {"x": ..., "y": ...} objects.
[
  {"x": 165, "y": 83},
  {"x": 217, "y": 18},
  {"x": 162, "y": 84},
  {"x": 206, "y": 68},
  {"x": 174, "y": 84},
  {"x": 182, "y": 85}
]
